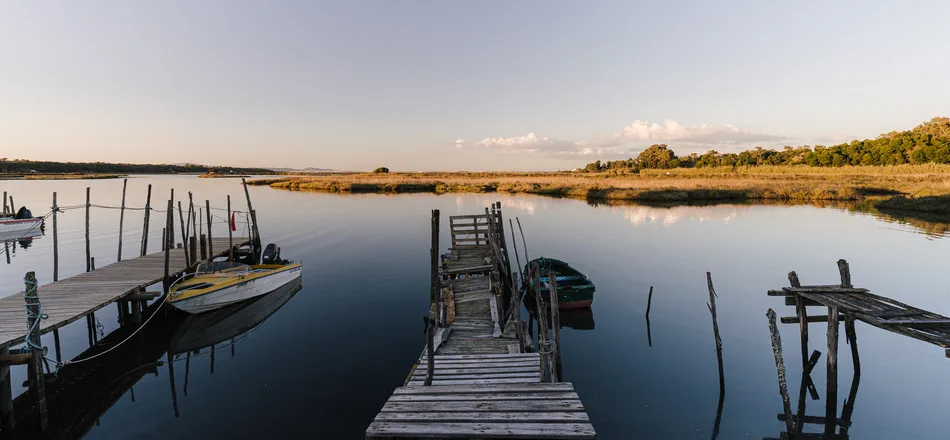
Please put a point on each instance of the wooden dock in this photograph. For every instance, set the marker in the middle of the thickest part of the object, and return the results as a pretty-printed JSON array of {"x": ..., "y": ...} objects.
[
  {"x": 475, "y": 378},
  {"x": 70, "y": 299}
]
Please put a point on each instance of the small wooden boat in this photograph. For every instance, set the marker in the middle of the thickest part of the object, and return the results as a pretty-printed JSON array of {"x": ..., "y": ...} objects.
[
  {"x": 218, "y": 284},
  {"x": 574, "y": 290}
]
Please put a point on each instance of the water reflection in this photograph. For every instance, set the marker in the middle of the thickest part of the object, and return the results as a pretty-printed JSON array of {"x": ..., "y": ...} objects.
[{"x": 80, "y": 393}]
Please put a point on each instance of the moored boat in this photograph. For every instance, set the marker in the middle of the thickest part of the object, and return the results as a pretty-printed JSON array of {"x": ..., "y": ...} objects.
[
  {"x": 21, "y": 223},
  {"x": 218, "y": 284},
  {"x": 574, "y": 289}
]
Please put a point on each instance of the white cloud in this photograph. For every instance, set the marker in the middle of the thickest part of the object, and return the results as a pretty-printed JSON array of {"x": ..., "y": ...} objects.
[
  {"x": 705, "y": 134},
  {"x": 638, "y": 134}
]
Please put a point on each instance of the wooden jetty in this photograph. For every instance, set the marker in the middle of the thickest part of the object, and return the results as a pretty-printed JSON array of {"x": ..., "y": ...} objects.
[
  {"x": 52, "y": 306},
  {"x": 70, "y": 299},
  {"x": 846, "y": 303},
  {"x": 476, "y": 377}
]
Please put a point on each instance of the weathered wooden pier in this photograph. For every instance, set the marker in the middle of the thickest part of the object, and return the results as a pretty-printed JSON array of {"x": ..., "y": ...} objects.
[
  {"x": 846, "y": 303},
  {"x": 52, "y": 306},
  {"x": 477, "y": 376}
]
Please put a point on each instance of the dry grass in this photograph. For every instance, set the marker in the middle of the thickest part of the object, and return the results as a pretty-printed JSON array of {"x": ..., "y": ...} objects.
[{"x": 759, "y": 183}]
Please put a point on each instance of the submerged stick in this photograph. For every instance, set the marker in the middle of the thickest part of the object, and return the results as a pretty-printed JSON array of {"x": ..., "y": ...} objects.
[
  {"x": 711, "y": 305},
  {"x": 780, "y": 367}
]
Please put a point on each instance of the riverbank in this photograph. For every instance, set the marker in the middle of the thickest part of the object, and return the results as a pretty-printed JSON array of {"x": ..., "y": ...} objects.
[
  {"x": 783, "y": 183},
  {"x": 60, "y": 176}
]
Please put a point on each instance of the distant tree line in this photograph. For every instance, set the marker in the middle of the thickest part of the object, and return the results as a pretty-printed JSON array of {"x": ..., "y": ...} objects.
[
  {"x": 20, "y": 166},
  {"x": 927, "y": 143}
]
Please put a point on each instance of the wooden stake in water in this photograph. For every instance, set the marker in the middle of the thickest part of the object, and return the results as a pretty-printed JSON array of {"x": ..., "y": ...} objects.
[
  {"x": 208, "y": 213},
  {"x": 88, "y": 251},
  {"x": 148, "y": 210},
  {"x": 55, "y": 209},
  {"x": 780, "y": 367},
  {"x": 711, "y": 305},
  {"x": 125, "y": 183},
  {"x": 230, "y": 232},
  {"x": 12, "y": 206},
  {"x": 184, "y": 236},
  {"x": 555, "y": 323}
]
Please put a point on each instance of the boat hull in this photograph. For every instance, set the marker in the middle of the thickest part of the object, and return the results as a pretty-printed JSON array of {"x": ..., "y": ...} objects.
[
  {"x": 239, "y": 292},
  {"x": 9, "y": 226},
  {"x": 570, "y": 299}
]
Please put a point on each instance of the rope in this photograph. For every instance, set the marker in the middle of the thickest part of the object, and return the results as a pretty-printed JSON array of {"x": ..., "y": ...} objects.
[
  {"x": 30, "y": 294},
  {"x": 548, "y": 344}
]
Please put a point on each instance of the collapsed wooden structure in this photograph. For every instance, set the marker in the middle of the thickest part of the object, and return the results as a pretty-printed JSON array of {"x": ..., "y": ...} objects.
[{"x": 479, "y": 376}]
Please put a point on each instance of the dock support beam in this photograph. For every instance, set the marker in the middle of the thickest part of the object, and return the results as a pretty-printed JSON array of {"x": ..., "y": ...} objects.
[
  {"x": 204, "y": 247},
  {"x": 88, "y": 251},
  {"x": 556, "y": 375},
  {"x": 55, "y": 242},
  {"x": 33, "y": 317},
  {"x": 208, "y": 214},
  {"x": 430, "y": 354},
  {"x": 7, "y": 417},
  {"x": 125, "y": 183},
  {"x": 434, "y": 296}
]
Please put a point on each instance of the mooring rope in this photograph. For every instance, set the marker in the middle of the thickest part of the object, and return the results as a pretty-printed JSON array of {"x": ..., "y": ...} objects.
[{"x": 28, "y": 295}]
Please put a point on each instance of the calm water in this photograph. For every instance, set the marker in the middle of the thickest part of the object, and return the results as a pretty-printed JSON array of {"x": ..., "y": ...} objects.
[{"x": 323, "y": 364}]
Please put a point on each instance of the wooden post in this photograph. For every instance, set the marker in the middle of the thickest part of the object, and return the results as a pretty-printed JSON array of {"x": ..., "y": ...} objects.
[
  {"x": 831, "y": 403},
  {"x": 171, "y": 375},
  {"x": 168, "y": 244},
  {"x": 711, "y": 305},
  {"x": 59, "y": 352},
  {"x": 649, "y": 302},
  {"x": 543, "y": 339},
  {"x": 12, "y": 206},
  {"x": 208, "y": 213},
  {"x": 255, "y": 232},
  {"x": 852, "y": 339},
  {"x": 511, "y": 224},
  {"x": 5, "y": 212},
  {"x": 194, "y": 215},
  {"x": 88, "y": 252},
  {"x": 802, "y": 313},
  {"x": 7, "y": 417},
  {"x": 125, "y": 183},
  {"x": 204, "y": 247},
  {"x": 430, "y": 354},
  {"x": 148, "y": 211},
  {"x": 434, "y": 296},
  {"x": 523, "y": 241},
  {"x": 187, "y": 233},
  {"x": 171, "y": 230},
  {"x": 230, "y": 232},
  {"x": 780, "y": 366},
  {"x": 164, "y": 238},
  {"x": 92, "y": 263},
  {"x": 555, "y": 325},
  {"x": 845, "y": 272},
  {"x": 37, "y": 381},
  {"x": 55, "y": 209},
  {"x": 184, "y": 236}
]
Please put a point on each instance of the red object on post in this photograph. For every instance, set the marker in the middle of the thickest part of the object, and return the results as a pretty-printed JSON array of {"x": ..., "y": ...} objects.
[{"x": 233, "y": 223}]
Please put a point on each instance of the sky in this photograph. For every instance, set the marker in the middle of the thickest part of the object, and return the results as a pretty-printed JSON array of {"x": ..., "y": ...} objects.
[{"x": 453, "y": 85}]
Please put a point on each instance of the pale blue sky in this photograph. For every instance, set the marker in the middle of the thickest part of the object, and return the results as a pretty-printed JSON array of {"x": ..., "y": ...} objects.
[{"x": 419, "y": 85}]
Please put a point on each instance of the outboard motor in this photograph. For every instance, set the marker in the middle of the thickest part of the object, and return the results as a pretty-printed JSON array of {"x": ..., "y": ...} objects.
[
  {"x": 272, "y": 255},
  {"x": 23, "y": 214}
]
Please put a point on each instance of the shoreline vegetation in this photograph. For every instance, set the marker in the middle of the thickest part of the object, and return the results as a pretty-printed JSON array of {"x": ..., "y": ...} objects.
[
  {"x": 26, "y": 169},
  {"x": 924, "y": 187},
  {"x": 60, "y": 176}
]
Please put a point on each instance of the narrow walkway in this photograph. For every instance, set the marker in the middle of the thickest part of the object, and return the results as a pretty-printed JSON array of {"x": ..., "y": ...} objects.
[
  {"x": 483, "y": 385},
  {"x": 72, "y": 298}
]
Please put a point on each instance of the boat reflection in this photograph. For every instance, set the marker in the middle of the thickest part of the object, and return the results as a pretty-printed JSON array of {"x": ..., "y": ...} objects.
[
  {"x": 576, "y": 319},
  {"x": 81, "y": 392},
  {"x": 10, "y": 241}
]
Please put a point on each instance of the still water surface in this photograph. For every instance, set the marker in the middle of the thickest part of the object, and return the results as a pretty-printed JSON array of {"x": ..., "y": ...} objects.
[{"x": 323, "y": 364}]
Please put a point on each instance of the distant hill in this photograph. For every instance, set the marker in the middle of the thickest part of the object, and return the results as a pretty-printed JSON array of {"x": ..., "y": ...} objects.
[{"x": 21, "y": 166}]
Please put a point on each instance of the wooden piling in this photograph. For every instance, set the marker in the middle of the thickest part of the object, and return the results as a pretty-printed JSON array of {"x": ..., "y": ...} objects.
[
  {"x": 12, "y": 206},
  {"x": 230, "y": 232},
  {"x": 148, "y": 211},
  {"x": 171, "y": 376},
  {"x": 33, "y": 317},
  {"x": 555, "y": 326},
  {"x": 523, "y": 241},
  {"x": 845, "y": 273},
  {"x": 192, "y": 250},
  {"x": 7, "y": 416},
  {"x": 545, "y": 345},
  {"x": 184, "y": 235},
  {"x": 204, "y": 247},
  {"x": 168, "y": 244},
  {"x": 194, "y": 215},
  {"x": 435, "y": 288},
  {"x": 780, "y": 367},
  {"x": 92, "y": 263},
  {"x": 57, "y": 347},
  {"x": 88, "y": 251},
  {"x": 55, "y": 209},
  {"x": 208, "y": 213},
  {"x": 430, "y": 354},
  {"x": 511, "y": 224},
  {"x": 255, "y": 232},
  {"x": 649, "y": 302},
  {"x": 831, "y": 403},
  {"x": 5, "y": 212},
  {"x": 125, "y": 183},
  {"x": 711, "y": 305}
]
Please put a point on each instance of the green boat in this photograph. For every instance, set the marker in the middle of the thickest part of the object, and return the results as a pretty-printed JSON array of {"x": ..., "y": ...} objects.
[{"x": 574, "y": 290}]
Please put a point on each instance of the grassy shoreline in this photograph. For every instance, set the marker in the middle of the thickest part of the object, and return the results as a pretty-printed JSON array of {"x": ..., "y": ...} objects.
[
  {"x": 910, "y": 186},
  {"x": 60, "y": 176}
]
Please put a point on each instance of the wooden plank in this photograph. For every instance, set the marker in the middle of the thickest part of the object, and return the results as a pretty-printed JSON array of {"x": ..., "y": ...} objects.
[
  {"x": 478, "y": 376},
  {"x": 494, "y": 388},
  {"x": 484, "y": 417},
  {"x": 486, "y": 406},
  {"x": 559, "y": 395},
  {"x": 911, "y": 323},
  {"x": 481, "y": 357},
  {"x": 482, "y": 430},
  {"x": 506, "y": 380},
  {"x": 480, "y": 371}
]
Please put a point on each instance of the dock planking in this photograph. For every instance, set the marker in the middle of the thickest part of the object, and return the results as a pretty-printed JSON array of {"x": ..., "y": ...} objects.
[
  {"x": 70, "y": 299},
  {"x": 483, "y": 383}
]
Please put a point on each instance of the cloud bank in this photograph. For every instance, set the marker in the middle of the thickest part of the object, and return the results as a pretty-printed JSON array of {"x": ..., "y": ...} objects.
[{"x": 629, "y": 140}]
